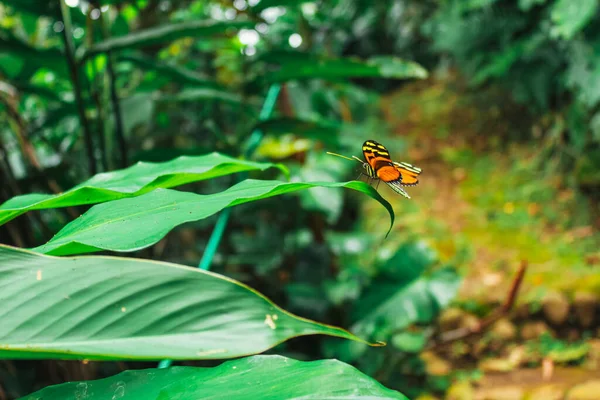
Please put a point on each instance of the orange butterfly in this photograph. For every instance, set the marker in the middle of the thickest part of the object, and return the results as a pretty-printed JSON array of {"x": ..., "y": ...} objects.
[{"x": 379, "y": 165}]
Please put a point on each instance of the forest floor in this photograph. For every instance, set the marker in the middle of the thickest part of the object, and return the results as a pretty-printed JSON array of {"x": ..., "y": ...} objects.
[{"x": 488, "y": 201}]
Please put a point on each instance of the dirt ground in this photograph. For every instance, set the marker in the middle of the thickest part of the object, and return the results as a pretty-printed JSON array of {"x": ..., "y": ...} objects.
[{"x": 484, "y": 204}]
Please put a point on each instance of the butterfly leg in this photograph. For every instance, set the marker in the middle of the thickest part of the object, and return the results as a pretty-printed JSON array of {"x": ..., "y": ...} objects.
[{"x": 378, "y": 182}]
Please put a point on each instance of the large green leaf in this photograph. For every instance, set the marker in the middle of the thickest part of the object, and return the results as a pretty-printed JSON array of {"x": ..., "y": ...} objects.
[
  {"x": 296, "y": 65},
  {"x": 138, "y": 179},
  {"x": 44, "y": 92},
  {"x": 395, "y": 305},
  {"x": 390, "y": 306},
  {"x": 162, "y": 34},
  {"x": 125, "y": 308},
  {"x": 136, "y": 223},
  {"x": 37, "y": 7},
  {"x": 571, "y": 17},
  {"x": 50, "y": 58},
  {"x": 325, "y": 131},
  {"x": 258, "y": 377},
  {"x": 202, "y": 94},
  {"x": 264, "y": 4},
  {"x": 174, "y": 72}
]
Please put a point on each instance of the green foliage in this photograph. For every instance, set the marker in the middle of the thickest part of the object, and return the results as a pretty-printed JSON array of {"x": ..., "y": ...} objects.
[
  {"x": 294, "y": 65},
  {"x": 558, "y": 350},
  {"x": 542, "y": 51},
  {"x": 401, "y": 297},
  {"x": 162, "y": 34},
  {"x": 264, "y": 377},
  {"x": 136, "y": 180},
  {"x": 17, "y": 55},
  {"x": 139, "y": 222},
  {"x": 325, "y": 131},
  {"x": 99, "y": 308},
  {"x": 156, "y": 80},
  {"x": 173, "y": 72},
  {"x": 391, "y": 306},
  {"x": 36, "y": 7},
  {"x": 570, "y": 19}
]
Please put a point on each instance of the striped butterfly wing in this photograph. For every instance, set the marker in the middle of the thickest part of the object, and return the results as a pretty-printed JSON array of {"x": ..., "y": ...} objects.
[
  {"x": 409, "y": 173},
  {"x": 381, "y": 166},
  {"x": 396, "y": 186},
  {"x": 376, "y": 156}
]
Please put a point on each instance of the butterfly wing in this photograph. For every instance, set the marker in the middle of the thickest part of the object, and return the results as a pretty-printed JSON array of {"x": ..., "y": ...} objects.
[
  {"x": 390, "y": 175},
  {"x": 395, "y": 174},
  {"x": 409, "y": 173},
  {"x": 376, "y": 155},
  {"x": 396, "y": 186}
]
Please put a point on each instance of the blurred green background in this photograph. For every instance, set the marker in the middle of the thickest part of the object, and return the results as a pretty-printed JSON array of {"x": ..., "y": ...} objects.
[{"x": 506, "y": 128}]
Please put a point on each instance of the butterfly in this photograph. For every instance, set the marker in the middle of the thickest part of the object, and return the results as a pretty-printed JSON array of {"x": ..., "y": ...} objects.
[{"x": 379, "y": 166}]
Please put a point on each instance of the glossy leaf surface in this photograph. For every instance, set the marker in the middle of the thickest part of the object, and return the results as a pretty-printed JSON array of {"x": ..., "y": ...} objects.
[
  {"x": 165, "y": 33},
  {"x": 296, "y": 65},
  {"x": 138, "y": 179},
  {"x": 136, "y": 223},
  {"x": 396, "y": 306},
  {"x": 325, "y": 131},
  {"x": 259, "y": 377},
  {"x": 173, "y": 72},
  {"x": 125, "y": 308}
]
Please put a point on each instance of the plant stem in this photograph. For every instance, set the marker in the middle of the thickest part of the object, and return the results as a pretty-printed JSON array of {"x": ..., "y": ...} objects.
[
  {"x": 253, "y": 142},
  {"x": 217, "y": 233},
  {"x": 502, "y": 311},
  {"x": 215, "y": 239},
  {"x": 74, "y": 72},
  {"x": 94, "y": 89},
  {"x": 114, "y": 97}
]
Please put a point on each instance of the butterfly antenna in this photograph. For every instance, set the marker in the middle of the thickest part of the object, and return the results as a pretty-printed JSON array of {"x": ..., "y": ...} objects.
[{"x": 347, "y": 158}]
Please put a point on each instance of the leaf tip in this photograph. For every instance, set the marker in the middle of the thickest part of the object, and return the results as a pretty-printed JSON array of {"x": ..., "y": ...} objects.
[{"x": 284, "y": 170}]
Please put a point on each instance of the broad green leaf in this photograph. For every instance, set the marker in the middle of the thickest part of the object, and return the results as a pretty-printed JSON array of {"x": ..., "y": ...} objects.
[
  {"x": 105, "y": 308},
  {"x": 409, "y": 262},
  {"x": 296, "y": 65},
  {"x": 10, "y": 65},
  {"x": 321, "y": 130},
  {"x": 526, "y": 5},
  {"x": 264, "y": 4},
  {"x": 570, "y": 16},
  {"x": 202, "y": 94},
  {"x": 161, "y": 154},
  {"x": 135, "y": 223},
  {"x": 36, "y": 7},
  {"x": 176, "y": 73},
  {"x": 50, "y": 58},
  {"x": 389, "y": 307},
  {"x": 162, "y": 34},
  {"x": 138, "y": 179},
  {"x": 44, "y": 92},
  {"x": 137, "y": 109},
  {"x": 258, "y": 377},
  {"x": 394, "y": 306},
  {"x": 409, "y": 342}
]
